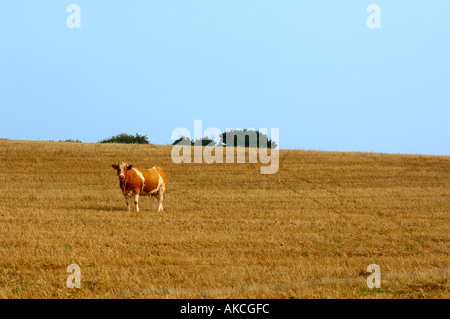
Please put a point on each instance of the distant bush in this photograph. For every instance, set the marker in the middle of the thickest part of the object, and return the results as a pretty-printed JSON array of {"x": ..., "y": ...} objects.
[
  {"x": 204, "y": 141},
  {"x": 182, "y": 141},
  {"x": 70, "y": 141},
  {"x": 127, "y": 139},
  {"x": 187, "y": 141},
  {"x": 242, "y": 138}
]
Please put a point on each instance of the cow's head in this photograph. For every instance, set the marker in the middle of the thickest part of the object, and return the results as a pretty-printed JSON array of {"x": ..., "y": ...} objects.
[{"x": 121, "y": 168}]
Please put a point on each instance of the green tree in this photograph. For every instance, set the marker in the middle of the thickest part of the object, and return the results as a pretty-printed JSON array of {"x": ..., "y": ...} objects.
[
  {"x": 183, "y": 140},
  {"x": 127, "y": 139},
  {"x": 204, "y": 141},
  {"x": 246, "y": 138}
]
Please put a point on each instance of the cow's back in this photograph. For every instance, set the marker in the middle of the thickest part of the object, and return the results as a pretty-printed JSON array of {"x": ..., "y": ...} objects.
[
  {"x": 162, "y": 173},
  {"x": 151, "y": 178}
]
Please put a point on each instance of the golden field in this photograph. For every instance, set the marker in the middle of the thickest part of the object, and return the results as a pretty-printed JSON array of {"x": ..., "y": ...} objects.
[{"x": 308, "y": 231}]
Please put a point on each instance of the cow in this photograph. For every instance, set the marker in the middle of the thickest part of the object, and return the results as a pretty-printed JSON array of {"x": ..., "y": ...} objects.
[{"x": 141, "y": 182}]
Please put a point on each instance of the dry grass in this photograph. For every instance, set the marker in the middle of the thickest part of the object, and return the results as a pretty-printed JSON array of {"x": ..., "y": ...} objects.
[{"x": 227, "y": 231}]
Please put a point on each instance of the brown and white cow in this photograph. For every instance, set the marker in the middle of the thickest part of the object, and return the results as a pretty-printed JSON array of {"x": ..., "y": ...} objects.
[{"x": 141, "y": 182}]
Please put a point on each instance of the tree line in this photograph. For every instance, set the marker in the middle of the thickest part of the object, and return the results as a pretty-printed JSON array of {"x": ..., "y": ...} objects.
[
  {"x": 126, "y": 139},
  {"x": 240, "y": 137}
]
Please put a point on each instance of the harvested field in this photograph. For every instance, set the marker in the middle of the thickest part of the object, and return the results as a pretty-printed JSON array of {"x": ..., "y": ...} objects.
[{"x": 308, "y": 231}]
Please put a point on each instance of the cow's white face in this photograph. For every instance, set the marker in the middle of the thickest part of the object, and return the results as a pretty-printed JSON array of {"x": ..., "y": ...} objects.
[{"x": 121, "y": 168}]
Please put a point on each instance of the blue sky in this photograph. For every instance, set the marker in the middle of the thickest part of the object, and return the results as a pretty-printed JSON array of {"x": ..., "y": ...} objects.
[{"x": 312, "y": 69}]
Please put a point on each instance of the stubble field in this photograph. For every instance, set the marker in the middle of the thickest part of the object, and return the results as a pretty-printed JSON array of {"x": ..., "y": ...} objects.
[{"x": 308, "y": 231}]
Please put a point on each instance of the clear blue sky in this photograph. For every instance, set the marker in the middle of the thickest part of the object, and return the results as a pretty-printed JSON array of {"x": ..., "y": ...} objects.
[{"x": 313, "y": 69}]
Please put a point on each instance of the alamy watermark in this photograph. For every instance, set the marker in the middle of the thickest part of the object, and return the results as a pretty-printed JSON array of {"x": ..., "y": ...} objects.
[
  {"x": 374, "y": 280},
  {"x": 374, "y": 19},
  {"x": 74, "y": 19},
  {"x": 73, "y": 280},
  {"x": 213, "y": 152}
]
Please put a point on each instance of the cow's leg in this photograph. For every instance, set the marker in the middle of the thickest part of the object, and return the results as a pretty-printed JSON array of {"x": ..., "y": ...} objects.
[
  {"x": 128, "y": 202},
  {"x": 161, "y": 193},
  {"x": 136, "y": 202}
]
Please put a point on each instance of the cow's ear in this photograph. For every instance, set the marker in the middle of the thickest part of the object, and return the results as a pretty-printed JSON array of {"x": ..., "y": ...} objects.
[
  {"x": 114, "y": 166},
  {"x": 129, "y": 167}
]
